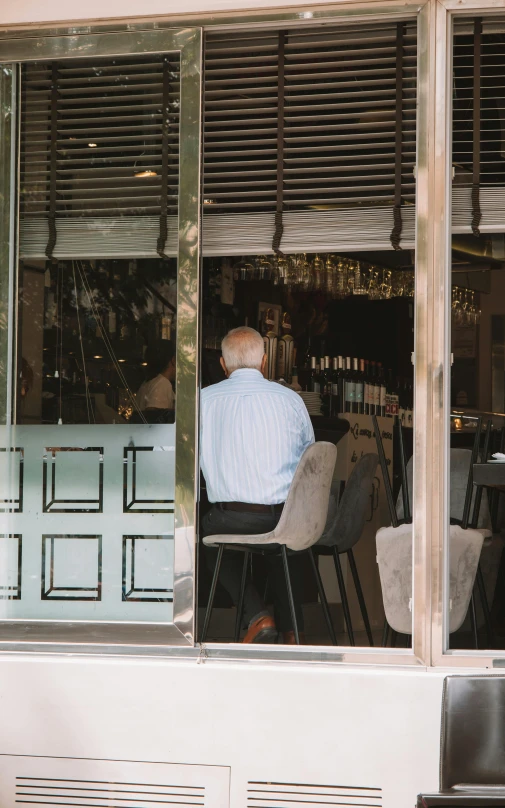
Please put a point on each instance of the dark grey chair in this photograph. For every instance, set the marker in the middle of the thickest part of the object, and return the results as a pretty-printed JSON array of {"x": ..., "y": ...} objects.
[
  {"x": 472, "y": 749},
  {"x": 343, "y": 530}
]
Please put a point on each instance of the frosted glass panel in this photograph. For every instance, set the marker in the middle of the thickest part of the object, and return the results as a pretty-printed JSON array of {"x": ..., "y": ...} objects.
[{"x": 87, "y": 522}]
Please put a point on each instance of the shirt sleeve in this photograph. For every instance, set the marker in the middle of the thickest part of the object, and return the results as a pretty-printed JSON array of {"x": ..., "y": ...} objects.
[
  {"x": 307, "y": 428},
  {"x": 162, "y": 395}
]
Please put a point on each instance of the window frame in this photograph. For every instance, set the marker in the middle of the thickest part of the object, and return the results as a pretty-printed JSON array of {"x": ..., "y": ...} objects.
[
  {"x": 448, "y": 11},
  {"x": 18, "y": 46},
  {"x": 188, "y": 42}
]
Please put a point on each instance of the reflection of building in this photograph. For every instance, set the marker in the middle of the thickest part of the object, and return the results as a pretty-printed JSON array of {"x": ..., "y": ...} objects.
[{"x": 327, "y": 132}]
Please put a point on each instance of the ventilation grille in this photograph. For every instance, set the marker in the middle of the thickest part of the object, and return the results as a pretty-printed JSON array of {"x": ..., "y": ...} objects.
[
  {"x": 107, "y": 118},
  {"x": 104, "y": 794},
  {"x": 297, "y": 795},
  {"x": 340, "y": 118}
]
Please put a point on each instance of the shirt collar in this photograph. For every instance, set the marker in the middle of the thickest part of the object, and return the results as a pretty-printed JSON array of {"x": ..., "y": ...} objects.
[{"x": 245, "y": 372}]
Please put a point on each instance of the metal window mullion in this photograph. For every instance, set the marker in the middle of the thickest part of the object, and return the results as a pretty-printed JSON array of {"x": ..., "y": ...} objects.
[
  {"x": 8, "y": 196},
  {"x": 440, "y": 366}
]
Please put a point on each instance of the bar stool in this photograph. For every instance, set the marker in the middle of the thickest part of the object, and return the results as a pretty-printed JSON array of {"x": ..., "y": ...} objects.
[
  {"x": 301, "y": 524},
  {"x": 344, "y": 531}
]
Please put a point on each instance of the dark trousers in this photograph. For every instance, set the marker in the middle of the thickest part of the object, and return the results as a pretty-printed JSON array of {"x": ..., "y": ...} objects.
[{"x": 218, "y": 521}]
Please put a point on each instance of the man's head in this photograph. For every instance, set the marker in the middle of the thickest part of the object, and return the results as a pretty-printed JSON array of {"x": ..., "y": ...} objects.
[
  {"x": 160, "y": 359},
  {"x": 242, "y": 348}
]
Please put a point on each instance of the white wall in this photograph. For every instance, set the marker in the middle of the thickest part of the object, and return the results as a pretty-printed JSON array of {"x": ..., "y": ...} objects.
[
  {"x": 308, "y": 724},
  {"x": 14, "y": 12}
]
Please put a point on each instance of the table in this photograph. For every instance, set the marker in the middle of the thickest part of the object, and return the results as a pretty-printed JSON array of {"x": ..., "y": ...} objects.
[{"x": 491, "y": 475}]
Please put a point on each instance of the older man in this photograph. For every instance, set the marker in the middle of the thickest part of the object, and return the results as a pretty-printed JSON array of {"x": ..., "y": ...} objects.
[{"x": 253, "y": 433}]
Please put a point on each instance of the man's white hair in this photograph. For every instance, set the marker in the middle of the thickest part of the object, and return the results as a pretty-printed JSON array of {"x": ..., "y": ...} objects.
[{"x": 243, "y": 348}]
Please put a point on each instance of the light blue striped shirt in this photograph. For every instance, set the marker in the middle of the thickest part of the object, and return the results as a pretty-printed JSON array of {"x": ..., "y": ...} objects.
[{"x": 252, "y": 435}]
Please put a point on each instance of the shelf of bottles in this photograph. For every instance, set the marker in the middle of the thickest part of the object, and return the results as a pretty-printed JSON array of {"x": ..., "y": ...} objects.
[
  {"x": 331, "y": 386},
  {"x": 348, "y": 385},
  {"x": 335, "y": 276}
]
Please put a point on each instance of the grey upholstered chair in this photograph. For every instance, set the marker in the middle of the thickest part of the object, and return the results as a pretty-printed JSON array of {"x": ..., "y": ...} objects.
[
  {"x": 460, "y": 460},
  {"x": 301, "y": 524},
  {"x": 394, "y": 557},
  {"x": 343, "y": 530}
]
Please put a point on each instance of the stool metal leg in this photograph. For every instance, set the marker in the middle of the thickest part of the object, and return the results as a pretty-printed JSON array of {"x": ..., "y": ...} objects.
[
  {"x": 240, "y": 604},
  {"x": 359, "y": 592},
  {"x": 394, "y": 637},
  {"x": 473, "y": 620},
  {"x": 285, "y": 563},
  {"x": 322, "y": 595},
  {"x": 343, "y": 595},
  {"x": 485, "y": 606},
  {"x": 212, "y": 593},
  {"x": 385, "y": 634}
]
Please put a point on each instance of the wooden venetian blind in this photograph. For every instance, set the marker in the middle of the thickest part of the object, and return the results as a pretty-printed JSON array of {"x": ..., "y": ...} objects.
[
  {"x": 99, "y": 156},
  {"x": 478, "y": 138},
  {"x": 309, "y": 144},
  {"x": 341, "y": 103}
]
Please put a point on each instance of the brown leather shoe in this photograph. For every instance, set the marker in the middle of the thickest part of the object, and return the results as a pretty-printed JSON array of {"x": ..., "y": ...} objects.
[
  {"x": 288, "y": 638},
  {"x": 262, "y": 630}
]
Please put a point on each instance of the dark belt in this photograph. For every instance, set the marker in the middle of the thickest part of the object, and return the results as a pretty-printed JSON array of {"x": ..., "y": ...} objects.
[{"x": 250, "y": 507}]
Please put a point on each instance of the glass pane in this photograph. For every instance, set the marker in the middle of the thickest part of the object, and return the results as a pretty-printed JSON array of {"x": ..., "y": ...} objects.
[
  {"x": 335, "y": 307},
  {"x": 477, "y": 420},
  {"x": 87, "y": 468}
]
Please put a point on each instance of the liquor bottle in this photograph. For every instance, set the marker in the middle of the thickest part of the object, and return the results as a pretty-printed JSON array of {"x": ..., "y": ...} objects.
[
  {"x": 349, "y": 386},
  {"x": 285, "y": 350},
  {"x": 358, "y": 387},
  {"x": 326, "y": 386},
  {"x": 382, "y": 391},
  {"x": 375, "y": 390},
  {"x": 315, "y": 386},
  {"x": 270, "y": 343}
]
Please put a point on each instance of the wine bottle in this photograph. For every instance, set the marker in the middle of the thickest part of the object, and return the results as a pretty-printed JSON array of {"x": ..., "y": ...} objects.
[
  {"x": 366, "y": 388},
  {"x": 382, "y": 391},
  {"x": 360, "y": 395},
  {"x": 349, "y": 386},
  {"x": 358, "y": 387},
  {"x": 315, "y": 386},
  {"x": 335, "y": 405}
]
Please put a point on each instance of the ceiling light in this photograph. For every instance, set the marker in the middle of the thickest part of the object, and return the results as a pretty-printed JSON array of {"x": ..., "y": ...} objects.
[
  {"x": 146, "y": 173},
  {"x": 98, "y": 357},
  {"x": 144, "y": 364},
  {"x": 92, "y": 145},
  {"x": 121, "y": 360}
]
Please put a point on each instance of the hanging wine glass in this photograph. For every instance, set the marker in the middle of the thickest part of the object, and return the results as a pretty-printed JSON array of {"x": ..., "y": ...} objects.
[
  {"x": 456, "y": 309},
  {"x": 385, "y": 287},
  {"x": 263, "y": 268},
  {"x": 243, "y": 270},
  {"x": 317, "y": 273},
  {"x": 350, "y": 276},
  {"x": 373, "y": 283},
  {"x": 359, "y": 285},
  {"x": 341, "y": 279},
  {"x": 330, "y": 276}
]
